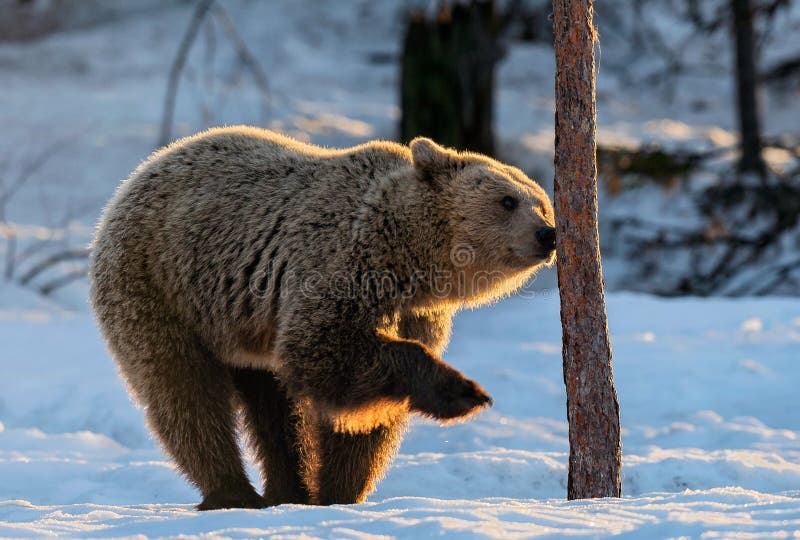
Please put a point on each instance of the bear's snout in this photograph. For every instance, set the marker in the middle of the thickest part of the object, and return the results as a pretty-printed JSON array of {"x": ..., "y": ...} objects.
[{"x": 547, "y": 238}]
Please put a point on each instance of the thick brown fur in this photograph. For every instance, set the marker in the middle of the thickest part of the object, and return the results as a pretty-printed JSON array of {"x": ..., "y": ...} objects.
[{"x": 311, "y": 290}]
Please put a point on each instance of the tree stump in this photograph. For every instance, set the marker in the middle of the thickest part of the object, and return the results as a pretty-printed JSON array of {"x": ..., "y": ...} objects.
[{"x": 447, "y": 76}]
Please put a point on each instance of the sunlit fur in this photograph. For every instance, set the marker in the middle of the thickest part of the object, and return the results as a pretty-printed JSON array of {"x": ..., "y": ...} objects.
[
  {"x": 236, "y": 270},
  {"x": 503, "y": 252}
]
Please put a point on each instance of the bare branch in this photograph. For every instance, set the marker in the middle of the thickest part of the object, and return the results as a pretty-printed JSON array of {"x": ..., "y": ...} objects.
[
  {"x": 11, "y": 253},
  {"x": 71, "y": 213},
  {"x": 245, "y": 56},
  {"x": 65, "y": 279},
  {"x": 33, "y": 166},
  {"x": 175, "y": 71},
  {"x": 28, "y": 170},
  {"x": 52, "y": 260}
]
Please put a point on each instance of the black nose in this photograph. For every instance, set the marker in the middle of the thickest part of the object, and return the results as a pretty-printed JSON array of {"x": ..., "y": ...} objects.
[{"x": 547, "y": 238}]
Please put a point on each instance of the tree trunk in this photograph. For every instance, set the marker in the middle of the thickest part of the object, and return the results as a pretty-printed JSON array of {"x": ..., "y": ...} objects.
[
  {"x": 447, "y": 76},
  {"x": 746, "y": 89},
  {"x": 592, "y": 407}
]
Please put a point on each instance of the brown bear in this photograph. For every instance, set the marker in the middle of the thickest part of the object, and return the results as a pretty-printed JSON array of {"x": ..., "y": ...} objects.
[{"x": 310, "y": 290}]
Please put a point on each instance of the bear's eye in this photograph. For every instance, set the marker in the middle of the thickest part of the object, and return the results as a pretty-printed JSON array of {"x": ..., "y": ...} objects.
[{"x": 509, "y": 202}]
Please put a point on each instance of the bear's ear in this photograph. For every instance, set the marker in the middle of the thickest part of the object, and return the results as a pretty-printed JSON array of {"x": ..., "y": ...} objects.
[{"x": 427, "y": 155}]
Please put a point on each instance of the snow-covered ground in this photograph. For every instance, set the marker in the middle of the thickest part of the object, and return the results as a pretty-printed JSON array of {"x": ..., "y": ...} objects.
[{"x": 707, "y": 389}]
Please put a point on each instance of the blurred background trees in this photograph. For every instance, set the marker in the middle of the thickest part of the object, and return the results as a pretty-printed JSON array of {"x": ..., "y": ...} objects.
[
  {"x": 747, "y": 85},
  {"x": 26, "y": 20},
  {"x": 698, "y": 162},
  {"x": 447, "y": 75},
  {"x": 743, "y": 216},
  {"x": 740, "y": 222}
]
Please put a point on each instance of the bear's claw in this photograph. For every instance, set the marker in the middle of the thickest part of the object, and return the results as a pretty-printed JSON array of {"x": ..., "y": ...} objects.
[{"x": 452, "y": 399}]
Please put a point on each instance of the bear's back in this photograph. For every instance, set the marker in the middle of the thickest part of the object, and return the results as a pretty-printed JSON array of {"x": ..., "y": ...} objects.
[{"x": 212, "y": 223}]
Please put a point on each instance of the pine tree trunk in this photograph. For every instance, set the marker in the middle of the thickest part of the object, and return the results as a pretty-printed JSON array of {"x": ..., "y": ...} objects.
[
  {"x": 447, "y": 76},
  {"x": 592, "y": 407},
  {"x": 746, "y": 88}
]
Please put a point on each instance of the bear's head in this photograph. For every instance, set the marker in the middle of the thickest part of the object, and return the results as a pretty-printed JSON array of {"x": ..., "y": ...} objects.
[{"x": 500, "y": 222}]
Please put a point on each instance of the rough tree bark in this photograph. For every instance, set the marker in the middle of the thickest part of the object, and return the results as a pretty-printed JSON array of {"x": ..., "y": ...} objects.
[
  {"x": 747, "y": 88},
  {"x": 592, "y": 407}
]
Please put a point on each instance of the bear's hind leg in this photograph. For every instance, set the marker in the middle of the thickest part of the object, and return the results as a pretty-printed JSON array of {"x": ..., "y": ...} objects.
[
  {"x": 274, "y": 431},
  {"x": 351, "y": 463},
  {"x": 188, "y": 398}
]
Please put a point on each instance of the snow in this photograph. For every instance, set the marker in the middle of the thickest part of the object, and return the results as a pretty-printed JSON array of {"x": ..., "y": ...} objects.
[
  {"x": 707, "y": 387},
  {"x": 707, "y": 392},
  {"x": 716, "y": 513}
]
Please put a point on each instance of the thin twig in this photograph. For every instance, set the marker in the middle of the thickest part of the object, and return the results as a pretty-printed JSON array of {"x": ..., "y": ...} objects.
[
  {"x": 11, "y": 253},
  {"x": 178, "y": 63},
  {"x": 32, "y": 167},
  {"x": 71, "y": 213},
  {"x": 245, "y": 57},
  {"x": 62, "y": 280},
  {"x": 52, "y": 260},
  {"x": 27, "y": 172}
]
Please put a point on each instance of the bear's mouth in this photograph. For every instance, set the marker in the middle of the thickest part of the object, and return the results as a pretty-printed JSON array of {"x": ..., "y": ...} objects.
[
  {"x": 548, "y": 257},
  {"x": 534, "y": 257}
]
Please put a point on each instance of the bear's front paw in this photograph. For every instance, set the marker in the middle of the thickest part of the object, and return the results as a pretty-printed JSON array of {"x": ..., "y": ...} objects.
[{"x": 452, "y": 398}]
